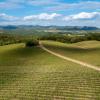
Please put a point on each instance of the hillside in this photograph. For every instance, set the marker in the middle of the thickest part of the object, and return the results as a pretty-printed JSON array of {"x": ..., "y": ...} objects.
[
  {"x": 87, "y": 51},
  {"x": 32, "y": 73}
]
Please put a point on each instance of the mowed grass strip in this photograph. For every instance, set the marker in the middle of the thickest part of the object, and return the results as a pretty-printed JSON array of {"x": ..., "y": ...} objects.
[
  {"x": 87, "y": 51},
  {"x": 33, "y": 74}
]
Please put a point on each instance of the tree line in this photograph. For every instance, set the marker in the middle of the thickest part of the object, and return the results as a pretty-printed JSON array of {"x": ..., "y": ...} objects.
[
  {"x": 6, "y": 39},
  {"x": 71, "y": 38}
]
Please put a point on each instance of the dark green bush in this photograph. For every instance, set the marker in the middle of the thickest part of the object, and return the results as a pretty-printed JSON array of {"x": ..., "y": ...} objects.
[{"x": 32, "y": 43}]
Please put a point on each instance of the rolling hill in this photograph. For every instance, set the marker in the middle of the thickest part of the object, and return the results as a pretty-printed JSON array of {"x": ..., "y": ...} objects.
[{"x": 33, "y": 74}]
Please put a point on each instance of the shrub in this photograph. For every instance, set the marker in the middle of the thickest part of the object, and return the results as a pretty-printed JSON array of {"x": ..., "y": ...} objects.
[{"x": 32, "y": 43}]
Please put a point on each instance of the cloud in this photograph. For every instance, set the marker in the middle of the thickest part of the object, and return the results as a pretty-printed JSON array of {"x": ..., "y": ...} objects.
[
  {"x": 82, "y": 16},
  {"x": 50, "y": 5},
  {"x": 92, "y": 5},
  {"x": 6, "y": 17},
  {"x": 41, "y": 2},
  {"x": 42, "y": 16},
  {"x": 16, "y": 1},
  {"x": 4, "y": 5},
  {"x": 12, "y": 4}
]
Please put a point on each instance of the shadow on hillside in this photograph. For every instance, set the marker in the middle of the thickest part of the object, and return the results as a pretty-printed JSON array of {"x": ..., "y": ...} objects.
[
  {"x": 23, "y": 51},
  {"x": 72, "y": 49},
  {"x": 13, "y": 62},
  {"x": 19, "y": 56}
]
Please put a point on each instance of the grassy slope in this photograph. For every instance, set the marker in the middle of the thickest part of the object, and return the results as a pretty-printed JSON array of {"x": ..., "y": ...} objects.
[
  {"x": 87, "y": 51},
  {"x": 33, "y": 74}
]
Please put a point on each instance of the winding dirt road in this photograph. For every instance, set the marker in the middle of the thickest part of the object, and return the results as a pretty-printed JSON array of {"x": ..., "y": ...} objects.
[{"x": 69, "y": 59}]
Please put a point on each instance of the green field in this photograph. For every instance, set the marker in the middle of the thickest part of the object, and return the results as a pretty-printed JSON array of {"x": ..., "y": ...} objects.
[
  {"x": 87, "y": 51},
  {"x": 33, "y": 74}
]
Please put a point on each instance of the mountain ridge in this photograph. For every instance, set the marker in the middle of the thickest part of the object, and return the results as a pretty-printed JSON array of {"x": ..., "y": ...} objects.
[{"x": 12, "y": 27}]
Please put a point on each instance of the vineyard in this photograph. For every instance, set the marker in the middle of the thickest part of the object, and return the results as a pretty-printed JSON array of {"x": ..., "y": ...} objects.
[
  {"x": 49, "y": 49},
  {"x": 87, "y": 51},
  {"x": 33, "y": 74}
]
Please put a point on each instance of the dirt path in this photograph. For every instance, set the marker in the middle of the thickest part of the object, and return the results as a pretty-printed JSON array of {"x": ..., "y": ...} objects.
[{"x": 70, "y": 59}]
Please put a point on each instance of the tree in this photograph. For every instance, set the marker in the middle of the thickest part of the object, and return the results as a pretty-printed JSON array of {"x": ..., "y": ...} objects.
[{"x": 32, "y": 43}]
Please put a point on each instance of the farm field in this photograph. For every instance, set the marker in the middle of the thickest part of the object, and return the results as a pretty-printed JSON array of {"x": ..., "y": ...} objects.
[
  {"x": 86, "y": 51},
  {"x": 33, "y": 74}
]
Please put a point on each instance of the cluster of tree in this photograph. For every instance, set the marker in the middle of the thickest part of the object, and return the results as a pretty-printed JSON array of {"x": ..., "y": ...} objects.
[
  {"x": 29, "y": 40},
  {"x": 32, "y": 43},
  {"x": 93, "y": 36},
  {"x": 6, "y": 39},
  {"x": 71, "y": 38}
]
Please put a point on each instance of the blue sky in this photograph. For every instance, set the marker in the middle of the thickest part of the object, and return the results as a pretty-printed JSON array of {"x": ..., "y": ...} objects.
[{"x": 50, "y": 12}]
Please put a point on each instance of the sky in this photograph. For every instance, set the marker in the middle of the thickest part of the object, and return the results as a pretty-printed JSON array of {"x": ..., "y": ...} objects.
[{"x": 50, "y": 12}]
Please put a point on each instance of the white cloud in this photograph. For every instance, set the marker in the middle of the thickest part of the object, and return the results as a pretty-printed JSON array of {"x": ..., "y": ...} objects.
[
  {"x": 4, "y": 16},
  {"x": 50, "y": 5},
  {"x": 5, "y": 5},
  {"x": 41, "y": 2},
  {"x": 83, "y": 18},
  {"x": 88, "y": 5},
  {"x": 82, "y": 15},
  {"x": 42, "y": 16},
  {"x": 12, "y": 4},
  {"x": 17, "y": 1}
]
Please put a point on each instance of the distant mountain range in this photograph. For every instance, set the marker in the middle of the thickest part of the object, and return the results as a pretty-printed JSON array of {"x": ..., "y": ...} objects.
[{"x": 12, "y": 27}]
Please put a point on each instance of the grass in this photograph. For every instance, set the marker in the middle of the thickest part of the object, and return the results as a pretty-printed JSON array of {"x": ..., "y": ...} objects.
[
  {"x": 33, "y": 74},
  {"x": 87, "y": 51}
]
